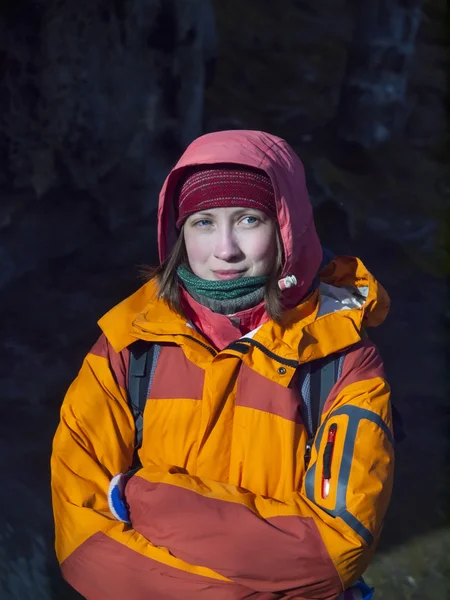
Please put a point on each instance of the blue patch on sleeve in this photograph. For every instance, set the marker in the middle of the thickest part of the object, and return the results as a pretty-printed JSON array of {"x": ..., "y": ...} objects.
[{"x": 117, "y": 504}]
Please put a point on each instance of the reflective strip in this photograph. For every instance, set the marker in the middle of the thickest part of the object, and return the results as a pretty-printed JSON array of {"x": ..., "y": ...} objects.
[
  {"x": 364, "y": 413},
  {"x": 355, "y": 415},
  {"x": 357, "y": 526}
]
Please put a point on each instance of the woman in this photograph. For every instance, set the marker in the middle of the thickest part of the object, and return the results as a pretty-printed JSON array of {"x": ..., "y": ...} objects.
[{"x": 228, "y": 500}]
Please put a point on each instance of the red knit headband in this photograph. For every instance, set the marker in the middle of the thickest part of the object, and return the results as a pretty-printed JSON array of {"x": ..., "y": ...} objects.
[{"x": 234, "y": 185}]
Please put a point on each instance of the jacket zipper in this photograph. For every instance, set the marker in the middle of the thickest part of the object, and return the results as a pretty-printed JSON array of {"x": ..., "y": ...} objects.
[
  {"x": 189, "y": 337},
  {"x": 284, "y": 361},
  {"x": 237, "y": 345},
  {"x": 308, "y": 449},
  {"x": 310, "y": 441}
]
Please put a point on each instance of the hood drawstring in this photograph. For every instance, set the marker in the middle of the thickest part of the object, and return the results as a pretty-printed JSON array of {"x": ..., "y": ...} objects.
[
  {"x": 291, "y": 280},
  {"x": 287, "y": 282}
]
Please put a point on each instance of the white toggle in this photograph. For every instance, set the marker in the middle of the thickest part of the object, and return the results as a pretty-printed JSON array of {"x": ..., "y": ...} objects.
[{"x": 287, "y": 282}]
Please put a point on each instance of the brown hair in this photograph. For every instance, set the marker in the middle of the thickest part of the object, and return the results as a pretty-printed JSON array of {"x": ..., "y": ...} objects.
[{"x": 169, "y": 283}]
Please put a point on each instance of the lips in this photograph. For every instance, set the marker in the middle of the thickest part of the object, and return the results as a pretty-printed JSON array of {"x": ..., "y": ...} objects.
[{"x": 229, "y": 274}]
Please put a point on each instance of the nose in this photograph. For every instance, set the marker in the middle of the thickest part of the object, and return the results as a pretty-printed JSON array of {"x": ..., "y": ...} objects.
[{"x": 227, "y": 247}]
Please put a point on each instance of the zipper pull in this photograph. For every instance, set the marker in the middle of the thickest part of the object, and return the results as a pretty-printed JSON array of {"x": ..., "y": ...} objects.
[{"x": 308, "y": 449}]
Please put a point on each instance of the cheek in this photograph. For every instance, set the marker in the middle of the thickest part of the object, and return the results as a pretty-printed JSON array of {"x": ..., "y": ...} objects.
[
  {"x": 262, "y": 249},
  {"x": 196, "y": 249}
]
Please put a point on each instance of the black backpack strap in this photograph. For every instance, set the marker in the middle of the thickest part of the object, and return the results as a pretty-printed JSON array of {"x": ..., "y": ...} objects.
[{"x": 143, "y": 360}]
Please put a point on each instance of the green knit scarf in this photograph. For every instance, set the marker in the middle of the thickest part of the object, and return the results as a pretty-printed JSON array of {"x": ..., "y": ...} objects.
[{"x": 220, "y": 290}]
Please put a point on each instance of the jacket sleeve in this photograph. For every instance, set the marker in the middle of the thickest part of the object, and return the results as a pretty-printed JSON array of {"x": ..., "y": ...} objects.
[
  {"x": 101, "y": 557},
  {"x": 307, "y": 546}
]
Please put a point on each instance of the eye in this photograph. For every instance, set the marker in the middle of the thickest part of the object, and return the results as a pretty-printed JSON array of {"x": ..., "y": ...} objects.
[
  {"x": 250, "y": 220},
  {"x": 202, "y": 223}
]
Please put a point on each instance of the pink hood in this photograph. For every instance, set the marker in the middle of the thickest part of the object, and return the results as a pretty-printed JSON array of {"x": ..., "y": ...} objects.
[{"x": 302, "y": 249}]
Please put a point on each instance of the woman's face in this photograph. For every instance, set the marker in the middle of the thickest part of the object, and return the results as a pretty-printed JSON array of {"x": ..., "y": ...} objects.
[{"x": 229, "y": 243}]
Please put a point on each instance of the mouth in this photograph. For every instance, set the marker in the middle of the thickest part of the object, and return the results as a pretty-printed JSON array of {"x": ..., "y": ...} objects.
[{"x": 228, "y": 274}]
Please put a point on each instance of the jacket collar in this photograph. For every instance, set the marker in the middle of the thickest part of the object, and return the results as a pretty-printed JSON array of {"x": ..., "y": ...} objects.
[{"x": 306, "y": 332}]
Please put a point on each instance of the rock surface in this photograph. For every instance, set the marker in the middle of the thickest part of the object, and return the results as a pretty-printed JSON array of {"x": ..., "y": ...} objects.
[
  {"x": 48, "y": 324},
  {"x": 99, "y": 100}
]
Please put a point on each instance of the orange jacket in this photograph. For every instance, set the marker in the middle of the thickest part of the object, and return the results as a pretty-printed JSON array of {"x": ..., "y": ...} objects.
[{"x": 223, "y": 507}]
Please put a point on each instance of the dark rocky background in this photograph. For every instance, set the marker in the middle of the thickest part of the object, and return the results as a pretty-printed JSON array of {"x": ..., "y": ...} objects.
[{"x": 97, "y": 100}]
